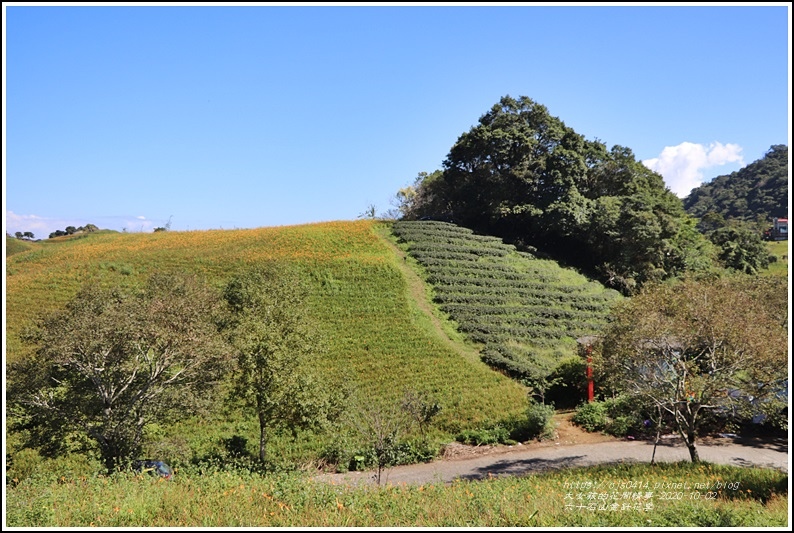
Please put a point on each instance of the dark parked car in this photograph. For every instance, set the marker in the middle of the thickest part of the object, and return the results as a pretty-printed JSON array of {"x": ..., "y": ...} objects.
[{"x": 156, "y": 468}]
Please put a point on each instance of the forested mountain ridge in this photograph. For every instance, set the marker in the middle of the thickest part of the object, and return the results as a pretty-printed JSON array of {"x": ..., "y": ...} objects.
[{"x": 759, "y": 190}]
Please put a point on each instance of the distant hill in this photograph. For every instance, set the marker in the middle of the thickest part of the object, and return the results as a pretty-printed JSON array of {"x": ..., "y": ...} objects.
[{"x": 759, "y": 190}]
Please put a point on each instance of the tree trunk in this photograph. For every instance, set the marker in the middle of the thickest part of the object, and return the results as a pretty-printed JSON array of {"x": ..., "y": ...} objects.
[
  {"x": 656, "y": 443},
  {"x": 658, "y": 432},
  {"x": 692, "y": 432},
  {"x": 687, "y": 428},
  {"x": 693, "y": 452},
  {"x": 262, "y": 436}
]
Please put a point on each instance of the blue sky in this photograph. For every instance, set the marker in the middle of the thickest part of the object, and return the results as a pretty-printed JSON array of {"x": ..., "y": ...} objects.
[{"x": 245, "y": 116}]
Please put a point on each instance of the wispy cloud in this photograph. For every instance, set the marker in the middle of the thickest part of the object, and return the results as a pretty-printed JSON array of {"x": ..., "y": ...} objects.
[
  {"x": 35, "y": 224},
  {"x": 682, "y": 166}
]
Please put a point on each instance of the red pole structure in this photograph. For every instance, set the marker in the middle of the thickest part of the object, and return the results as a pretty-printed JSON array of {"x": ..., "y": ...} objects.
[{"x": 590, "y": 388}]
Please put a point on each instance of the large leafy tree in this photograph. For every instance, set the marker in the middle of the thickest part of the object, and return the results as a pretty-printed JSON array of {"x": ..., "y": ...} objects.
[
  {"x": 276, "y": 344},
  {"x": 419, "y": 197},
  {"x": 740, "y": 248},
  {"x": 698, "y": 346},
  {"x": 112, "y": 362},
  {"x": 522, "y": 174}
]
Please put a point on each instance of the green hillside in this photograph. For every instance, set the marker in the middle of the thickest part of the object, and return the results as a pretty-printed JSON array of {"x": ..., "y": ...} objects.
[
  {"x": 378, "y": 340},
  {"x": 526, "y": 312},
  {"x": 759, "y": 190},
  {"x": 15, "y": 246}
]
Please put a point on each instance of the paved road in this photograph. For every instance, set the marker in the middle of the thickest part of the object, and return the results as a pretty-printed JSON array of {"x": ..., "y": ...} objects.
[{"x": 768, "y": 453}]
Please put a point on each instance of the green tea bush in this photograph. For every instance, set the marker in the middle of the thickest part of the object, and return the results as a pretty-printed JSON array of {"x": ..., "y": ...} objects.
[
  {"x": 591, "y": 416},
  {"x": 539, "y": 421},
  {"x": 618, "y": 416}
]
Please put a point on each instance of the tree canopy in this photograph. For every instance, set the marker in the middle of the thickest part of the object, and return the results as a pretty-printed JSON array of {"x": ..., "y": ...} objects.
[
  {"x": 696, "y": 346},
  {"x": 71, "y": 230},
  {"x": 275, "y": 343},
  {"x": 112, "y": 362},
  {"x": 524, "y": 175}
]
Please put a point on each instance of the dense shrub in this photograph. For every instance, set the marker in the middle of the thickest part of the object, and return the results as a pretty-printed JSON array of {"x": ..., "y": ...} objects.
[
  {"x": 340, "y": 456},
  {"x": 479, "y": 437},
  {"x": 618, "y": 416},
  {"x": 591, "y": 416},
  {"x": 539, "y": 421},
  {"x": 569, "y": 382}
]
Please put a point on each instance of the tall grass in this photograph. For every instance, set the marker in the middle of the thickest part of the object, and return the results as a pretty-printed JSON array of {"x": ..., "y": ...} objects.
[
  {"x": 780, "y": 250},
  {"x": 615, "y": 496}
]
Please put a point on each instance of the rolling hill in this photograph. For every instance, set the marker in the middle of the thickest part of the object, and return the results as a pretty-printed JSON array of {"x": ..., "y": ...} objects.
[{"x": 377, "y": 339}]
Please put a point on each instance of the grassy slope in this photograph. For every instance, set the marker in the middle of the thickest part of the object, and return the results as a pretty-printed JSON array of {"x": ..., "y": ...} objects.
[
  {"x": 780, "y": 250},
  {"x": 378, "y": 340},
  {"x": 361, "y": 293},
  {"x": 15, "y": 246}
]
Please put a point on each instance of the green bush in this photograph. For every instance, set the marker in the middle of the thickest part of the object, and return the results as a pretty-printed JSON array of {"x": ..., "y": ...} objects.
[
  {"x": 624, "y": 416},
  {"x": 338, "y": 454},
  {"x": 591, "y": 416},
  {"x": 539, "y": 421},
  {"x": 479, "y": 437},
  {"x": 621, "y": 426},
  {"x": 343, "y": 458},
  {"x": 619, "y": 416},
  {"x": 28, "y": 463},
  {"x": 410, "y": 452},
  {"x": 571, "y": 387}
]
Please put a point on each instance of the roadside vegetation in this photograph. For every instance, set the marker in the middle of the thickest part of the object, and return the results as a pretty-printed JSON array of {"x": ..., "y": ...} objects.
[{"x": 611, "y": 495}]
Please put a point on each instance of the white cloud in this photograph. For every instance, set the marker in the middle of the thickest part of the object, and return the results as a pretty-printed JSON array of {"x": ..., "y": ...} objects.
[
  {"x": 41, "y": 227},
  {"x": 682, "y": 166}
]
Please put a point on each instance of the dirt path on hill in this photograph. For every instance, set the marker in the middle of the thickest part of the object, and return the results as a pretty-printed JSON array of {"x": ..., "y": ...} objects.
[
  {"x": 573, "y": 447},
  {"x": 417, "y": 292}
]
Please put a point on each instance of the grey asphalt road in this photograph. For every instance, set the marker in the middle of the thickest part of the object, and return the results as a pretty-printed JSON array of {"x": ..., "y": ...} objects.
[{"x": 764, "y": 453}]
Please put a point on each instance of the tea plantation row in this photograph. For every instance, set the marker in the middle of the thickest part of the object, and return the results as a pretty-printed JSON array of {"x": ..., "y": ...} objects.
[{"x": 525, "y": 311}]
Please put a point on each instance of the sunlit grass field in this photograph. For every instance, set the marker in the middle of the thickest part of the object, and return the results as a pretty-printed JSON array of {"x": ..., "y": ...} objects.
[
  {"x": 680, "y": 494},
  {"x": 780, "y": 250},
  {"x": 375, "y": 342}
]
